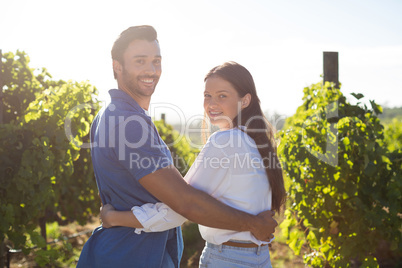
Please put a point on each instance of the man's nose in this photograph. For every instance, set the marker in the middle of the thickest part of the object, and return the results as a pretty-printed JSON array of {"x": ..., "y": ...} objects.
[{"x": 150, "y": 69}]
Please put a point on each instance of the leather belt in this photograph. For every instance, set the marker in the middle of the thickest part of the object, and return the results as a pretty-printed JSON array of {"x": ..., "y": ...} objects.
[{"x": 240, "y": 245}]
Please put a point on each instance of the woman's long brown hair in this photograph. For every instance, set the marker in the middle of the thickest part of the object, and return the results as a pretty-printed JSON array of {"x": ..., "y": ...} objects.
[{"x": 257, "y": 126}]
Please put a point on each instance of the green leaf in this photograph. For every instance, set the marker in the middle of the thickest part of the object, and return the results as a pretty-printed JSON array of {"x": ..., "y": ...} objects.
[
  {"x": 377, "y": 108},
  {"x": 357, "y": 96}
]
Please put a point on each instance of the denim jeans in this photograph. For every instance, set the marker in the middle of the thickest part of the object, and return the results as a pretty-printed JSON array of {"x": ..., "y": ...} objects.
[{"x": 222, "y": 256}]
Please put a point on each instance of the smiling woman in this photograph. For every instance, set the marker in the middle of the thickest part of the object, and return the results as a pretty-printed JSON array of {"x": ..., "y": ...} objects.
[
  {"x": 222, "y": 103},
  {"x": 238, "y": 105}
]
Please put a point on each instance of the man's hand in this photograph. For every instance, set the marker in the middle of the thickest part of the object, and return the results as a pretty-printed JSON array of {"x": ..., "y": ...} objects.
[
  {"x": 264, "y": 226},
  {"x": 105, "y": 215}
]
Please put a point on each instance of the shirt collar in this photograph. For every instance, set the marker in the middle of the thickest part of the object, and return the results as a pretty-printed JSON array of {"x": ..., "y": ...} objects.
[
  {"x": 123, "y": 96},
  {"x": 145, "y": 111},
  {"x": 243, "y": 128}
]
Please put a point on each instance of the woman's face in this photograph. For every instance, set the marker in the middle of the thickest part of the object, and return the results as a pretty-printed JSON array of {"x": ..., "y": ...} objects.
[{"x": 222, "y": 103}]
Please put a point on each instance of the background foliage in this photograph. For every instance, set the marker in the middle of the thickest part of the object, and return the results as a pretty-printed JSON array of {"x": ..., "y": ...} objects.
[
  {"x": 389, "y": 114},
  {"x": 182, "y": 153},
  {"x": 342, "y": 165},
  {"x": 393, "y": 134},
  {"x": 345, "y": 190},
  {"x": 44, "y": 177}
]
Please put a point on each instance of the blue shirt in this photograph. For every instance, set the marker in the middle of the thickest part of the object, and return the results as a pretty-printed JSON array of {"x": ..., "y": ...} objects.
[{"x": 125, "y": 146}]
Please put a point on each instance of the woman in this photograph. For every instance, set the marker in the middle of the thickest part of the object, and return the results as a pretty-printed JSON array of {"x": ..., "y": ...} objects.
[{"x": 238, "y": 166}]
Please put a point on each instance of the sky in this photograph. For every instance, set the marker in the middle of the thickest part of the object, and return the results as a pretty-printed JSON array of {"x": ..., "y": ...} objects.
[{"x": 280, "y": 42}]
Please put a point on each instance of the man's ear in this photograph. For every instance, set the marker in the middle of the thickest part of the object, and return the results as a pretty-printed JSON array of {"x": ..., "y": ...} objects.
[
  {"x": 245, "y": 101},
  {"x": 117, "y": 67}
]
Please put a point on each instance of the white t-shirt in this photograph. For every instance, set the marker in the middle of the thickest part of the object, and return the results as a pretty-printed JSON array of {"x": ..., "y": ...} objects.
[{"x": 230, "y": 169}]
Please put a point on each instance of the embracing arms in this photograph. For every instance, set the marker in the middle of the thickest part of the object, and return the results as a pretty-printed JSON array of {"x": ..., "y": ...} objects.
[{"x": 168, "y": 186}]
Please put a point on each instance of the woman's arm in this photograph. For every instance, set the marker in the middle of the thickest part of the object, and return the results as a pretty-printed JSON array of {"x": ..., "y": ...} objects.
[
  {"x": 148, "y": 218},
  {"x": 111, "y": 217}
]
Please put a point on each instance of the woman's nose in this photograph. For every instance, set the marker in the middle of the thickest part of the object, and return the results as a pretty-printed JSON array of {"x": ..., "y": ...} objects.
[{"x": 212, "y": 103}]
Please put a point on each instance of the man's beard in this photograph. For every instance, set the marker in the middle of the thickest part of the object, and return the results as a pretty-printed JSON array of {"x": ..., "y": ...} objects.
[{"x": 131, "y": 83}]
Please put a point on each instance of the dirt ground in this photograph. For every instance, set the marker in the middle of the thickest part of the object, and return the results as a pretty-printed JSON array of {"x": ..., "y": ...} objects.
[{"x": 281, "y": 254}]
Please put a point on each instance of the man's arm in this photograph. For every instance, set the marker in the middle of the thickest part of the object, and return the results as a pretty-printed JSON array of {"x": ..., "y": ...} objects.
[{"x": 167, "y": 185}]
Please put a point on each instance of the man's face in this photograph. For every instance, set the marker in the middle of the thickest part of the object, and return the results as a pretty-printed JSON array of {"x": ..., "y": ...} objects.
[{"x": 141, "y": 68}]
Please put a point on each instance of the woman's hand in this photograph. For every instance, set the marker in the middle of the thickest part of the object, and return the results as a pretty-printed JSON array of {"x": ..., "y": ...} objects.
[
  {"x": 110, "y": 217},
  {"x": 105, "y": 216}
]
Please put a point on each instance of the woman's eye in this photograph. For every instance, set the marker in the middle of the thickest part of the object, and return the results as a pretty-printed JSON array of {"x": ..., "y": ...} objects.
[
  {"x": 207, "y": 95},
  {"x": 140, "y": 61},
  {"x": 222, "y": 96}
]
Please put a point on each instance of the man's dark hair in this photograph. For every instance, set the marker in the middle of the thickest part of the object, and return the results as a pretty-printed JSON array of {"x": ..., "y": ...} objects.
[{"x": 142, "y": 32}]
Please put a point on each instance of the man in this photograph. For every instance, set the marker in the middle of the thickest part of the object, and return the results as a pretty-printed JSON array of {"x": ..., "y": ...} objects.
[{"x": 133, "y": 166}]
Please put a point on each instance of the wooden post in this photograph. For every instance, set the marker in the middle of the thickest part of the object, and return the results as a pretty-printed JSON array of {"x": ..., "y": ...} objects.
[
  {"x": 2, "y": 245},
  {"x": 2, "y": 254},
  {"x": 42, "y": 225},
  {"x": 331, "y": 68},
  {"x": 2, "y": 259},
  {"x": 1, "y": 87},
  {"x": 163, "y": 117}
]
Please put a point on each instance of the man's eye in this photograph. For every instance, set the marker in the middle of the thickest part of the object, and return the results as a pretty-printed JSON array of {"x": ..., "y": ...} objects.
[
  {"x": 157, "y": 61},
  {"x": 140, "y": 61},
  {"x": 207, "y": 95},
  {"x": 222, "y": 96}
]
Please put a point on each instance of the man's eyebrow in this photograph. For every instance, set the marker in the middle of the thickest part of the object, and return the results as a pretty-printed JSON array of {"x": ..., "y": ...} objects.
[{"x": 145, "y": 56}]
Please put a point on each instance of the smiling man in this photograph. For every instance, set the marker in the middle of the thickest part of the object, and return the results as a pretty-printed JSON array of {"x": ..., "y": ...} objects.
[{"x": 122, "y": 132}]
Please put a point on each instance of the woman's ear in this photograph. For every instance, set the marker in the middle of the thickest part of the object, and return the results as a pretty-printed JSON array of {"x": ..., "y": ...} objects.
[{"x": 245, "y": 101}]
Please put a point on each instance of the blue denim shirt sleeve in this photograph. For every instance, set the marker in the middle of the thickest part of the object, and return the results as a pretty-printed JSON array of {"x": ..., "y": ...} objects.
[{"x": 138, "y": 146}]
